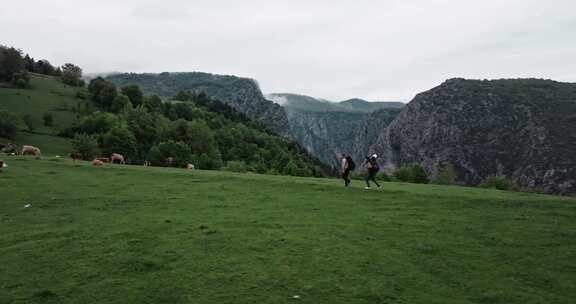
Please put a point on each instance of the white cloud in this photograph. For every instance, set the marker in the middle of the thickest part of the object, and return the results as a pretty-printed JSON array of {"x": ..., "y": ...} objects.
[{"x": 381, "y": 50}]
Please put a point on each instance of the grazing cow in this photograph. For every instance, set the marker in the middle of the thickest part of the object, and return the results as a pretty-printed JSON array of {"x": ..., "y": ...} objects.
[
  {"x": 190, "y": 167},
  {"x": 97, "y": 163},
  {"x": 117, "y": 158},
  {"x": 31, "y": 150}
]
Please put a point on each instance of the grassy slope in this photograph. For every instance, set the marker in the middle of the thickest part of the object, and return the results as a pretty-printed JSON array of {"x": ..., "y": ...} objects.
[
  {"x": 46, "y": 95},
  {"x": 151, "y": 235}
]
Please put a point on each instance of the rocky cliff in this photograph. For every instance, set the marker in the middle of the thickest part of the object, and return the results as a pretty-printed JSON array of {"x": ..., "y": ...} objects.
[
  {"x": 522, "y": 129},
  {"x": 241, "y": 93},
  {"x": 327, "y": 129}
]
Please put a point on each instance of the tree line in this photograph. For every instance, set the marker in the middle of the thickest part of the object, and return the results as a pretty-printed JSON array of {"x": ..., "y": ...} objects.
[
  {"x": 191, "y": 127},
  {"x": 15, "y": 68}
]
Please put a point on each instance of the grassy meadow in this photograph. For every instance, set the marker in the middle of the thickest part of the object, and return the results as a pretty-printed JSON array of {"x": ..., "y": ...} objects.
[
  {"x": 46, "y": 95},
  {"x": 127, "y": 234}
]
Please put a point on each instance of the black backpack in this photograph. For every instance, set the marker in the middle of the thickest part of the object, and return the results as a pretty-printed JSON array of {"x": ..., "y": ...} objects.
[{"x": 350, "y": 163}]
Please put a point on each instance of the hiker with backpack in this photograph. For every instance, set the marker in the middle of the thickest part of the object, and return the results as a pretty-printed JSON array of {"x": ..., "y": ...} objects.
[
  {"x": 347, "y": 166},
  {"x": 372, "y": 167}
]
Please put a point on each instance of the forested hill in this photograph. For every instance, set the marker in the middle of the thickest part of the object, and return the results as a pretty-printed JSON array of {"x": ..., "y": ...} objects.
[
  {"x": 241, "y": 93},
  {"x": 102, "y": 118}
]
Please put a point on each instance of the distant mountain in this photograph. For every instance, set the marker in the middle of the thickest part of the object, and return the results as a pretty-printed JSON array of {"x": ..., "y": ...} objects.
[
  {"x": 327, "y": 128},
  {"x": 89, "y": 76},
  {"x": 524, "y": 129},
  {"x": 360, "y": 105},
  {"x": 307, "y": 103},
  {"x": 241, "y": 93}
]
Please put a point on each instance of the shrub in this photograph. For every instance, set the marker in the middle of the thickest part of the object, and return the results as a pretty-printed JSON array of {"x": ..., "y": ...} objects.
[
  {"x": 119, "y": 140},
  {"x": 497, "y": 182},
  {"x": 96, "y": 123},
  {"x": 236, "y": 166},
  {"x": 86, "y": 145},
  {"x": 81, "y": 95},
  {"x": 29, "y": 122},
  {"x": 403, "y": 174},
  {"x": 48, "y": 119},
  {"x": 446, "y": 175},
  {"x": 8, "y": 125},
  {"x": 177, "y": 150},
  {"x": 411, "y": 174},
  {"x": 212, "y": 161},
  {"x": 419, "y": 175},
  {"x": 21, "y": 80}
]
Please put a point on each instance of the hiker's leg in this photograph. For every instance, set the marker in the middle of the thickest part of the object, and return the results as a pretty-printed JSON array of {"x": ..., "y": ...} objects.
[
  {"x": 373, "y": 178},
  {"x": 346, "y": 177},
  {"x": 367, "y": 180}
]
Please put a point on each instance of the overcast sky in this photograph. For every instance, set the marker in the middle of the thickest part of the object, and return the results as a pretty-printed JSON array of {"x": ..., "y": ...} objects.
[{"x": 377, "y": 50}]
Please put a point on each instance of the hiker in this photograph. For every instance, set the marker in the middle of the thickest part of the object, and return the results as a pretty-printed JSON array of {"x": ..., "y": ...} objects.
[
  {"x": 372, "y": 167},
  {"x": 347, "y": 167}
]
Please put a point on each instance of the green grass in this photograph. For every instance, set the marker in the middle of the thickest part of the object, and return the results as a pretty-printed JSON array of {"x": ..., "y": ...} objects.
[
  {"x": 126, "y": 234},
  {"x": 46, "y": 95}
]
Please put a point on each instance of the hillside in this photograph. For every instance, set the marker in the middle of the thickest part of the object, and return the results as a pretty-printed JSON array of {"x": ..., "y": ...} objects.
[
  {"x": 132, "y": 234},
  {"x": 522, "y": 129},
  {"x": 241, "y": 93},
  {"x": 46, "y": 95},
  {"x": 202, "y": 131}
]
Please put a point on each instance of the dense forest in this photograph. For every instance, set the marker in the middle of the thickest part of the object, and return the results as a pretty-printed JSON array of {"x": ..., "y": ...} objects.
[{"x": 190, "y": 127}]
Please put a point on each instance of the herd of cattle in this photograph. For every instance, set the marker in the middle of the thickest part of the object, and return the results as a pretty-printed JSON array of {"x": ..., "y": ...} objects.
[
  {"x": 26, "y": 150},
  {"x": 114, "y": 158}
]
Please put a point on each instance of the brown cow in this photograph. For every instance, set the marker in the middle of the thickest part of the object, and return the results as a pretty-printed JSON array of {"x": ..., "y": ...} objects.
[
  {"x": 115, "y": 157},
  {"x": 31, "y": 150},
  {"x": 2, "y": 165},
  {"x": 97, "y": 163}
]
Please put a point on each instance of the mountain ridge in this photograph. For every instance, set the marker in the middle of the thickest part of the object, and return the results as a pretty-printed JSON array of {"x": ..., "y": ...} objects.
[
  {"x": 304, "y": 102},
  {"x": 241, "y": 93},
  {"x": 519, "y": 128}
]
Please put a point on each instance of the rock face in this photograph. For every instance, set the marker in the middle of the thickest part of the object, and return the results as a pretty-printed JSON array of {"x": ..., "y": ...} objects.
[
  {"x": 325, "y": 134},
  {"x": 241, "y": 93},
  {"x": 327, "y": 129},
  {"x": 522, "y": 129}
]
